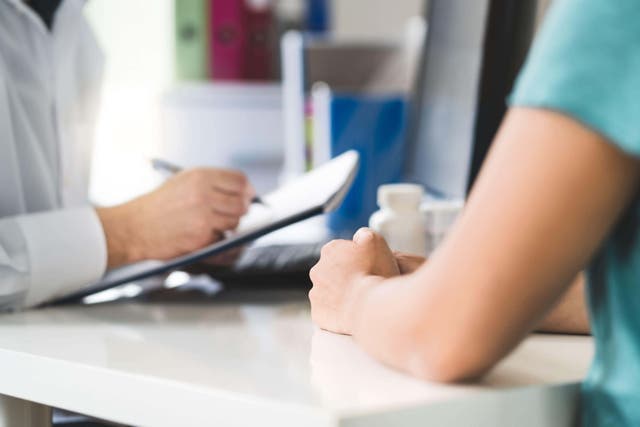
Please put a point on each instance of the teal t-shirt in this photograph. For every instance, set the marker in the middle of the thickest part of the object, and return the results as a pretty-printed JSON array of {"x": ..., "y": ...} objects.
[{"x": 585, "y": 63}]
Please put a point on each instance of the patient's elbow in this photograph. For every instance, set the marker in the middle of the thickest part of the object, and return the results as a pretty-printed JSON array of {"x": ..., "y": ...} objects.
[{"x": 449, "y": 362}]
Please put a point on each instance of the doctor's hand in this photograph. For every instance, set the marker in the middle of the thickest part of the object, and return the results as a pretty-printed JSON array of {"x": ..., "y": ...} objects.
[
  {"x": 189, "y": 211},
  {"x": 346, "y": 270}
]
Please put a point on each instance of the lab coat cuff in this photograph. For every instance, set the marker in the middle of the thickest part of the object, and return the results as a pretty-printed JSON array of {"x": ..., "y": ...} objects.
[{"x": 67, "y": 251}]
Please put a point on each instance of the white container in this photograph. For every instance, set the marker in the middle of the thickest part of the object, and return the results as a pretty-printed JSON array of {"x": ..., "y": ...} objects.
[
  {"x": 399, "y": 219},
  {"x": 439, "y": 215}
]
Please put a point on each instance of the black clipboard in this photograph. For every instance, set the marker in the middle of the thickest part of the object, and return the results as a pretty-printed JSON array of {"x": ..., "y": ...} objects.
[{"x": 317, "y": 192}]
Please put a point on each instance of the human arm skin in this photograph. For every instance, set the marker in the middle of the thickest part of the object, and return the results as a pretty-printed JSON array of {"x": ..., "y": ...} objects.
[
  {"x": 548, "y": 195},
  {"x": 189, "y": 211},
  {"x": 568, "y": 316}
]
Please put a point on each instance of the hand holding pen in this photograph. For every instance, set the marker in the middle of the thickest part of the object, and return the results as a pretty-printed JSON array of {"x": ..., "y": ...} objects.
[
  {"x": 165, "y": 166},
  {"x": 188, "y": 212}
]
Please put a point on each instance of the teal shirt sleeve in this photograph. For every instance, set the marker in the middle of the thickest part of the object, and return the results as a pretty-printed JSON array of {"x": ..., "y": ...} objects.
[{"x": 585, "y": 63}]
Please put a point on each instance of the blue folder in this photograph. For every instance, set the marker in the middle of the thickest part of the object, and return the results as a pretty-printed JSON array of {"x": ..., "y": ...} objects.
[{"x": 375, "y": 126}]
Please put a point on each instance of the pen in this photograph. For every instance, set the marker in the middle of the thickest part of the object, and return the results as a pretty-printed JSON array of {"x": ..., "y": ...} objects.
[{"x": 163, "y": 165}]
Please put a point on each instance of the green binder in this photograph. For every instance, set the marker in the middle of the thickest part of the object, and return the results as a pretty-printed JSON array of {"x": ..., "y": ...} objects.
[{"x": 192, "y": 39}]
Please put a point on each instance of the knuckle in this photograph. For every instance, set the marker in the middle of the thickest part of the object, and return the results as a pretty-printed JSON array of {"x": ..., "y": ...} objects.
[
  {"x": 313, "y": 273},
  {"x": 226, "y": 203},
  {"x": 329, "y": 247},
  {"x": 232, "y": 176},
  {"x": 242, "y": 179},
  {"x": 222, "y": 201},
  {"x": 241, "y": 204},
  {"x": 325, "y": 250},
  {"x": 234, "y": 204}
]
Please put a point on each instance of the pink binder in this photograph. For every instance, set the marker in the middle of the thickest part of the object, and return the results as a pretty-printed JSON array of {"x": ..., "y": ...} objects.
[
  {"x": 260, "y": 43},
  {"x": 227, "y": 59}
]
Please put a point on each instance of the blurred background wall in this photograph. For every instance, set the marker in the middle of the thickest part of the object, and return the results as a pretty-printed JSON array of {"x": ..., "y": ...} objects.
[
  {"x": 138, "y": 39},
  {"x": 138, "y": 43}
]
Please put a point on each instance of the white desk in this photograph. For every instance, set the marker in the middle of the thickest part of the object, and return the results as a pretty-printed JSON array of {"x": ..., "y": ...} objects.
[{"x": 250, "y": 364}]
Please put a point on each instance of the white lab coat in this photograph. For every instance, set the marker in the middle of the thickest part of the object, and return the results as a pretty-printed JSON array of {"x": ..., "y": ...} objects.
[{"x": 51, "y": 240}]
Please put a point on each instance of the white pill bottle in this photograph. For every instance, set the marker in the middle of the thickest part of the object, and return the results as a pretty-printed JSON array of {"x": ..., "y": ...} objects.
[{"x": 399, "y": 219}]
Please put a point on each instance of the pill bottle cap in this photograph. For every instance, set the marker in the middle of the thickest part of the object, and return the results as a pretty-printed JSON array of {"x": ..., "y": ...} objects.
[{"x": 400, "y": 196}]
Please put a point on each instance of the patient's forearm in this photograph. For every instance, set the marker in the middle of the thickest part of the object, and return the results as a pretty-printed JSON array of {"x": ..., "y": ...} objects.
[{"x": 570, "y": 315}]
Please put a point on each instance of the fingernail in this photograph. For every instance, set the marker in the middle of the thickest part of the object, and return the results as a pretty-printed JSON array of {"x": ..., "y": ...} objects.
[{"x": 362, "y": 235}]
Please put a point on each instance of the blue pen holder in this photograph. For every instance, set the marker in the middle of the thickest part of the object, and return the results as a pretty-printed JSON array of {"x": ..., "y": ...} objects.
[{"x": 375, "y": 126}]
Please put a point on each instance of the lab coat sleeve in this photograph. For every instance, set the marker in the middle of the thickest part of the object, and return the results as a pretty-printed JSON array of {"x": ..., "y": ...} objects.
[{"x": 47, "y": 255}]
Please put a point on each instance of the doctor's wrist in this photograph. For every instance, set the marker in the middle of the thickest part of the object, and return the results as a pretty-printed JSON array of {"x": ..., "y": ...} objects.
[{"x": 118, "y": 231}]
